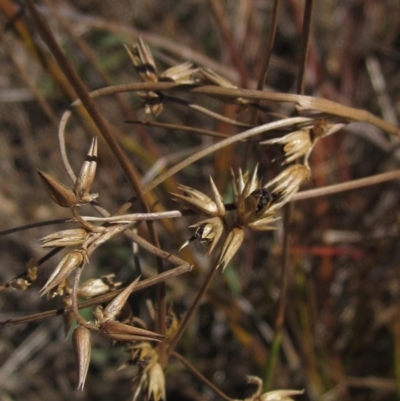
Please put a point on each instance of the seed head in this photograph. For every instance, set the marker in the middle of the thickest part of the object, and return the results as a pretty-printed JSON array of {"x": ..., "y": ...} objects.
[
  {"x": 295, "y": 145},
  {"x": 287, "y": 183},
  {"x": 208, "y": 232},
  {"x": 143, "y": 61},
  {"x": 200, "y": 202}
]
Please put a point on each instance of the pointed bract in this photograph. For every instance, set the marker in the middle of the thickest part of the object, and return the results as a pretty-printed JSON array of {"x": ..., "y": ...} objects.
[
  {"x": 113, "y": 308},
  {"x": 68, "y": 264},
  {"x": 200, "y": 202},
  {"x": 117, "y": 331},
  {"x": 86, "y": 176},
  {"x": 59, "y": 193},
  {"x": 208, "y": 233},
  {"x": 231, "y": 246},
  {"x": 82, "y": 348}
]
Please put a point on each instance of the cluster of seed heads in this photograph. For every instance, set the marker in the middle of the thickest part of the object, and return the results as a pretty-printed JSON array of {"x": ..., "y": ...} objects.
[{"x": 256, "y": 205}]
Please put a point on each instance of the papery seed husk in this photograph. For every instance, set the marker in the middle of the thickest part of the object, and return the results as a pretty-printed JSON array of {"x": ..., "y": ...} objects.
[
  {"x": 156, "y": 390},
  {"x": 113, "y": 308},
  {"x": 86, "y": 176},
  {"x": 231, "y": 246},
  {"x": 71, "y": 237},
  {"x": 82, "y": 348},
  {"x": 123, "y": 332},
  {"x": 68, "y": 263},
  {"x": 59, "y": 193},
  {"x": 92, "y": 288}
]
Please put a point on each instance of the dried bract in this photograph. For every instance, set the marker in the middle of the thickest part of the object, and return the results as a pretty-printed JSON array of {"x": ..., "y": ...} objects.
[
  {"x": 200, "y": 202},
  {"x": 86, "y": 176},
  {"x": 208, "y": 233},
  {"x": 117, "y": 331},
  {"x": 181, "y": 74},
  {"x": 287, "y": 183},
  {"x": 68, "y": 264},
  {"x": 143, "y": 355},
  {"x": 231, "y": 246},
  {"x": 143, "y": 61},
  {"x": 113, "y": 308},
  {"x": 59, "y": 193},
  {"x": 295, "y": 145},
  {"x": 243, "y": 187},
  {"x": 97, "y": 286},
  {"x": 151, "y": 384},
  {"x": 82, "y": 348},
  {"x": 72, "y": 237}
]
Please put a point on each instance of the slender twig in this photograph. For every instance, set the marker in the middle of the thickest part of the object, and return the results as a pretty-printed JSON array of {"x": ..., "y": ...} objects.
[
  {"x": 347, "y": 186},
  {"x": 176, "y": 271},
  {"x": 193, "y": 307},
  {"x": 302, "y": 102},
  {"x": 218, "y": 12},
  {"x": 280, "y": 317},
  {"x": 197, "y": 374},
  {"x": 305, "y": 40},
  {"x": 270, "y": 43}
]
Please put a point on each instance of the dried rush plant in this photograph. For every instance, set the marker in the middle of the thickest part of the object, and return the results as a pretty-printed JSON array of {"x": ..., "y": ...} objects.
[{"x": 221, "y": 227}]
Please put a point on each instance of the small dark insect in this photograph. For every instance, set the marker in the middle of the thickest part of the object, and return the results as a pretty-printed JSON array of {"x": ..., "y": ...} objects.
[
  {"x": 204, "y": 234},
  {"x": 265, "y": 196}
]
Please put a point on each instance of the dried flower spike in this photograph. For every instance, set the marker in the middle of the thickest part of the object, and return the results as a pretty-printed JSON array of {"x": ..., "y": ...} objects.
[
  {"x": 82, "y": 348},
  {"x": 86, "y": 176}
]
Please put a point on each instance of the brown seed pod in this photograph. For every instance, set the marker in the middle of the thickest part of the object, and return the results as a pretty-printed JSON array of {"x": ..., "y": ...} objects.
[
  {"x": 59, "y": 193},
  {"x": 82, "y": 348}
]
